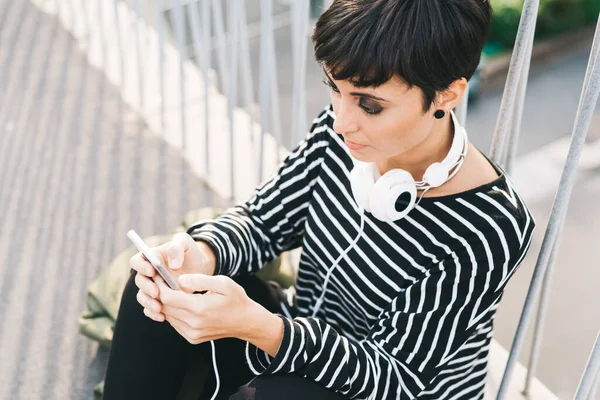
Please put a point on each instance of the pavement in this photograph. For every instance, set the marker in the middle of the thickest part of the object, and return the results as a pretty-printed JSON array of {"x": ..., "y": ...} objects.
[{"x": 77, "y": 164}]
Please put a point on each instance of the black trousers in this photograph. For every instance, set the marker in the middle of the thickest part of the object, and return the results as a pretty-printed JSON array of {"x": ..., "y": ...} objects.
[{"x": 150, "y": 360}]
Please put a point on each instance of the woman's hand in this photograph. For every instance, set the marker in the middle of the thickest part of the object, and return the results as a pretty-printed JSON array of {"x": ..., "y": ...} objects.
[
  {"x": 222, "y": 311},
  {"x": 182, "y": 255}
]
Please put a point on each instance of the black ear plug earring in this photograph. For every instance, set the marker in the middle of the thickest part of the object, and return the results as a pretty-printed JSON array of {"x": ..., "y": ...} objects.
[{"x": 439, "y": 114}]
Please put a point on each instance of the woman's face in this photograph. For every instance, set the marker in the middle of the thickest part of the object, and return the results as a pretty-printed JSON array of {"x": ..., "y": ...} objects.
[{"x": 380, "y": 123}]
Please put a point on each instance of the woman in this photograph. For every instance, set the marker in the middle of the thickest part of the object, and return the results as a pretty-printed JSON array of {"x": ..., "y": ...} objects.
[{"x": 408, "y": 233}]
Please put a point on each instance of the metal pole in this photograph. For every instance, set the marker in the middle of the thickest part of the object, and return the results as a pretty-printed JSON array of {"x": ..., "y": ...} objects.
[
  {"x": 119, "y": 43},
  {"x": 86, "y": 23},
  {"x": 591, "y": 373},
  {"x": 538, "y": 329},
  {"x": 246, "y": 69},
  {"x": 526, "y": 29},
  {"x": 202, "y": 53},
  {"x": 158, "y": 19},
  {"x": 595, "y": 385},
  {"x": 304, "y": 35},
  {"x": 300, "y": 18},
  {"x": 206, "y": 66},
  {"x": 274, "y": 92},
  {"x": 137, "y": 8},
  {"x": 587, "y": 104},
  {"x": 233, "y": 81},
  {"x": 295, "y": 25},
  {"x": 265, "y": 70},
  {"x": 515, "y": 131},
  {"x": 222, "y": 45},
  {"x": 179, "y": 26},
  {"x": 158, "y": 22}
]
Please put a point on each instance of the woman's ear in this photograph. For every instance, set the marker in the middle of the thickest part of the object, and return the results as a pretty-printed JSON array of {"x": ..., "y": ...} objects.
[{"x": 449, "y": 98}]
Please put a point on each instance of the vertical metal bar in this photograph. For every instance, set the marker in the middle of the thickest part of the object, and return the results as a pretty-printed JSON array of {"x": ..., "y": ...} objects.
[
  {"x": 159, "y": 26},
  {"x": 591, "y": 372},
  {"x": 517, "y": 117},
  {"x": 587, "y": 105},
  {"x": 158, "y": 20},
  {"x": 206, "y": 66},
  {"x": 595, "y": 385},
  {"x": 221, "y": 43},
  {"x": 304, "y": 34},
  {"x": 70, "y": 21},
  {"x": 274, "y": 92},
  {"x": 538, "y": 329},
  {"x": 300, "y": 18},
  {"x": 526, "y": 30},
  {"x": 88, "y": 28},
  {"x": 178, "y": 25},
  {"x": 136, "y": 178},
  {"x": 136, "y": 15},
  {"x": 233, "y": 81},
  {"x": 119, "y": 43},
  {"x": 202, "y": 53},
  {"x": 295, "y": 28},
  {"x": 101, "y": 33},
  {"x": 264, "y": 68},
  {"x": 86, "y": 21},
  {"x": 461, "y": 109},
  {"x": 246, "y": 67},
  {"x": 193, "y": 16}
]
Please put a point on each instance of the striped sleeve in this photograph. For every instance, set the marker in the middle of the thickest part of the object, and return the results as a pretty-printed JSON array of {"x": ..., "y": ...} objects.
[
  {"x": 419, "y": 332},
  {"x": 246, "y": 237}
]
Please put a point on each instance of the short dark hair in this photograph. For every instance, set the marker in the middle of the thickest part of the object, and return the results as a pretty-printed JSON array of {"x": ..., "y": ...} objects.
[{"x": 426, "y": 43}]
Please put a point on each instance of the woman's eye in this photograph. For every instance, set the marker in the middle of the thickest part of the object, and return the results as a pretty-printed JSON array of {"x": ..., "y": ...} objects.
[{"x": 370, "y": 109}]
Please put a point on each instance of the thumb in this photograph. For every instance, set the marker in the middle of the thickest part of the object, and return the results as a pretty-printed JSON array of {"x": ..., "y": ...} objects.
[
  {"x": 200, "y": 282},
  {"x": 176, "y": 250}
]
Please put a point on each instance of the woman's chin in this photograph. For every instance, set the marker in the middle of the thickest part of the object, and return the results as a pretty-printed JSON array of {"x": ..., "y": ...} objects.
[{"x": 362, "y": 155}]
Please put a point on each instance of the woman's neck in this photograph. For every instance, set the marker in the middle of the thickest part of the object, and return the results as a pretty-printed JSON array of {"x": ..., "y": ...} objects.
[{"x": 434, "y": 148}]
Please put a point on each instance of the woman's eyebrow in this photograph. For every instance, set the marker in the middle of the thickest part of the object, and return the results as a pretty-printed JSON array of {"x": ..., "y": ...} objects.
[
  {"x": 361, "y": 94},
  {"x": 357, "y": 94}
]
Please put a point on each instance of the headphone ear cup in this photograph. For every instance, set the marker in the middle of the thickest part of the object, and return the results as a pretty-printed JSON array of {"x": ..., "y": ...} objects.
[
  {"x": 393, "y": 195},
  {"x": 362, "y": 181}
]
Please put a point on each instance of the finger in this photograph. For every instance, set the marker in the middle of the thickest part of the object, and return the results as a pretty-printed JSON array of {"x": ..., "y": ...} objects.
[
  {"x": 176, "y": 249},
  {"x": 158, "y": 317},
  {"x": 173, "y": 298},
  {"x": 148, "y": 302},
  {"x": 146, "y": 285},
  {"x": 199, "y": 282},
  {"x": 183, "y": 329},
  {"x": 185, "y": 316},
  {"x": 139, "y": 263}
]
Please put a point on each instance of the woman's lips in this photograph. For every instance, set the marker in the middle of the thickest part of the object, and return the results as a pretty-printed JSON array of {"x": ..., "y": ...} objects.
[{"x": 354, "y": 146}]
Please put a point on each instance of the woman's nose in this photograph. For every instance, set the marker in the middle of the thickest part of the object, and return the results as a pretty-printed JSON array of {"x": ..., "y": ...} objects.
[{"x": 345, "y": 121}]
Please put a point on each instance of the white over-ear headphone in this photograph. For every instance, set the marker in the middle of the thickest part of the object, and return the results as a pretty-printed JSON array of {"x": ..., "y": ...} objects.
[{"x": 392, "y": 196}]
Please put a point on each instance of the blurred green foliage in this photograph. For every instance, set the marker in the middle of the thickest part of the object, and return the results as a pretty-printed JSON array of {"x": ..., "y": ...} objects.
[{"x": 554, "y": 18}]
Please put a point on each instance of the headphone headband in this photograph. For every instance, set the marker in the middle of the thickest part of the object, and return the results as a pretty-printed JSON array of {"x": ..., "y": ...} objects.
[{"x": 392, "y": 196}]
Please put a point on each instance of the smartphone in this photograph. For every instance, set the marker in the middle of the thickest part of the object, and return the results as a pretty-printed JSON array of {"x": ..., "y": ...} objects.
[{"x": 153, "y": 260}]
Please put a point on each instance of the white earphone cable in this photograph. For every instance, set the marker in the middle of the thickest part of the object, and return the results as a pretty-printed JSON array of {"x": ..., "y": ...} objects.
[
  {"x": 214, "y": 357},
  {"x": 336, "y": 263}
]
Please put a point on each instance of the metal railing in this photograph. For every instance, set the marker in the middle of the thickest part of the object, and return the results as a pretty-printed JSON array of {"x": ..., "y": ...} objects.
[{"x": 188, "y": 67}]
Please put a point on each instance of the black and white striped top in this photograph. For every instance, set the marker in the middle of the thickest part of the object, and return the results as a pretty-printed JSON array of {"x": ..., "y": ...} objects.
[{"x": 408, "y": 313}]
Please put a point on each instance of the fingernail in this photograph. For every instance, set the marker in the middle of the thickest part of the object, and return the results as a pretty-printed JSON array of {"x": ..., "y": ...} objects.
[
  {"x": 174, "y": 264},
  {"x": 184, "y": 279}
]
